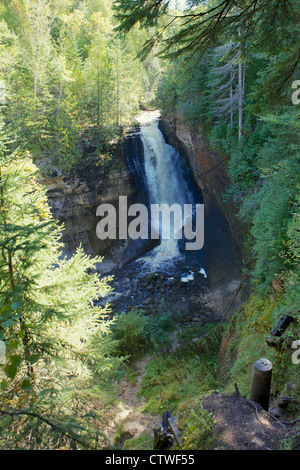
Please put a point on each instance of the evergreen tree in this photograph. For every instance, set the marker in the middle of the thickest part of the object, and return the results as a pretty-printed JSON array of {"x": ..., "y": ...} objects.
[
  {"x": 56, "y": 337},
  {"x": 64, "y": 72},
  {"x": 203, "y": 24}
]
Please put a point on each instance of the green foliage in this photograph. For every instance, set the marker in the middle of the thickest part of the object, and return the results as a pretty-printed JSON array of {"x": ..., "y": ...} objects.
[
  {"x": 204, "y": 24},
  {"x": 293, "y": 235},
  {"x": 248, "y": 332},
  {"x": 276, "y": 196},
  {"x": 63, "y": 71},
  {"x": 262, "y": 149},
  {"x": 173, "y": 377},
  {"x": 130, "y": 331},
  {"x": 186, "y": 93},
  {"x": 67, "y": 77},
  {"x": 137, "y": 333},
  {"x": 198, "y": 431},
  {"x": 144, "y": 442},
  {"x": 58, "y": 344}
]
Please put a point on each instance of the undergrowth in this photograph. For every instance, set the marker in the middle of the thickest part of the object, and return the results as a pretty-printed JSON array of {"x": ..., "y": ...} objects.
[
  {"x": 197, "y": 426},
  {"x": 247, "y": 333},
  {"x": 174, "y": 377}
]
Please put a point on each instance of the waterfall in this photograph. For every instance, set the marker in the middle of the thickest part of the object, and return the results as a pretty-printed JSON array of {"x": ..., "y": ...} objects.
[{"x": 161, "y": 170}]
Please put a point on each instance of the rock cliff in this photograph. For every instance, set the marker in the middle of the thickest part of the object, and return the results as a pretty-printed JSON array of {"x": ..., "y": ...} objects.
[
  {"x": 224, "y": 237},
  {"x": 74, "y": 199}
]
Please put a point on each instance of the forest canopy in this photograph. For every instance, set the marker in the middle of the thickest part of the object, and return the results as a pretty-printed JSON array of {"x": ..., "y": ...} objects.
[{"x": 63, "y": 71}]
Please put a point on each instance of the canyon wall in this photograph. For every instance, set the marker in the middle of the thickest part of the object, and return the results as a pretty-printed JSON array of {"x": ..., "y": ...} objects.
[
  {"x": 223, "y": 235},
  {"x": 74, "y": 199}
]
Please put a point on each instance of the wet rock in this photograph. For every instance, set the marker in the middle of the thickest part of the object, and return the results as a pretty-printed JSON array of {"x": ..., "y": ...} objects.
[
  {"x": 134, "y": 285},
  {"x": 150, "y": 287}
]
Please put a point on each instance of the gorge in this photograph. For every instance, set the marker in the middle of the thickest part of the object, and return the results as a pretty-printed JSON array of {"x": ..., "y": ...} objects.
[
  {"x": 149, "y": 223},
  {"x": 154, "y": 166}
]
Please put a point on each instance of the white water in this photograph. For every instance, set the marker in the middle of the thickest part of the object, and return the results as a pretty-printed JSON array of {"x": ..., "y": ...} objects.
[
  {"x": 190, "y": 275},
  {"x": 165, "y": 183}
]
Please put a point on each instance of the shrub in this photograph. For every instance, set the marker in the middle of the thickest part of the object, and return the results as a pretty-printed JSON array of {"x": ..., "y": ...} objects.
[
  {"x": 130, "y": 331},
  {"x": 196, "y": 423}
]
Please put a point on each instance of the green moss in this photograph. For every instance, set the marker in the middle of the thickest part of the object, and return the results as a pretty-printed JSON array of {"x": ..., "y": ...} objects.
[{"x": 118, "y": 434}]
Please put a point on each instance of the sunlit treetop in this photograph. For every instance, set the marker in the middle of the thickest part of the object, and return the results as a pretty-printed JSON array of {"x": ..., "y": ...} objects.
[
  {"x": 262, "y": 26},
  {"x": 204, "y": 22}
]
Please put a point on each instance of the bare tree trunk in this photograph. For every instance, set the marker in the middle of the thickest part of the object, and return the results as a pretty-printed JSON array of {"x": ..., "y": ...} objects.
[
  {"x": 231, "y": 99},
  {"x": 240, "y": 94},
  {"x": 240, "y": 89}
]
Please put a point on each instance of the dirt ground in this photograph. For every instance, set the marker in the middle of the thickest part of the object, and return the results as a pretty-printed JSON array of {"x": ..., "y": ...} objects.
[
  {"x": 241, "y": 425},
  {"x": 127, "y": 414}
]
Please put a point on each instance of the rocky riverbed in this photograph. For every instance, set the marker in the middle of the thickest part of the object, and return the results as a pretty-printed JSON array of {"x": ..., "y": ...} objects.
[{"x": 171, "y": 287}]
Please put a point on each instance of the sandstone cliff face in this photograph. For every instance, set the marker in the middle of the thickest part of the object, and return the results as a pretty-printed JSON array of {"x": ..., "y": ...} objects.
[
  {"x": 224, "y": 237},
  {"x": 74, "y": 199},
  {"x": 209, "y": 169}
]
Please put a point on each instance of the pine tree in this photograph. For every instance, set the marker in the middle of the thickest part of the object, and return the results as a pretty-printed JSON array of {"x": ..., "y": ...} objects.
[
  {"x": 204, "y": 24},
  {"x": 49, "y": 322}
]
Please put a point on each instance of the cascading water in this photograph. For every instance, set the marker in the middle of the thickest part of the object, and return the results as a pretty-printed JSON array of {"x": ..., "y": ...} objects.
[
  {"x": 161, "y": 172},
  {"x": 167, "y": 272},
  {"x": 165, "y": 184}
]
